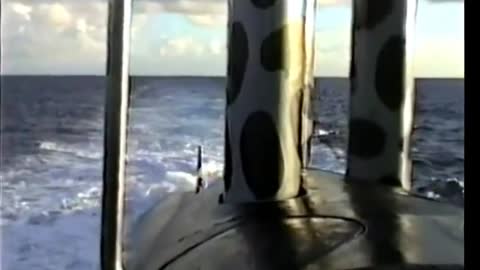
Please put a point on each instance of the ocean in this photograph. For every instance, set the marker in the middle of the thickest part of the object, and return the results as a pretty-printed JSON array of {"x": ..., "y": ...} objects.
[{"x": 52, "y": 139}]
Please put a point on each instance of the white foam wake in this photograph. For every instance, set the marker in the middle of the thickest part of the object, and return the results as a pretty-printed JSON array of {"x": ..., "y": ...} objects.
[{"x": 83, "y": 152}]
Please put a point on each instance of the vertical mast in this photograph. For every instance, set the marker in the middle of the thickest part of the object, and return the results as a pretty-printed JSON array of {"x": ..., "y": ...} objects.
[
  {"x": 382, "y": 92},
  {"x": 115, "y": 133},
  {"x": 269, "y": 69}
]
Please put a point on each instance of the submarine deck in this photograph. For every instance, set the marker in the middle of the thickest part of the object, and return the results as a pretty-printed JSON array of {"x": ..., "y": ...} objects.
[{"x": 335, "y": 225}]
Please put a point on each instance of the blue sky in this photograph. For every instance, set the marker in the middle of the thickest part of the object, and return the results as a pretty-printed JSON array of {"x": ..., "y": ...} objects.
[{"x": 188, "y": 37}]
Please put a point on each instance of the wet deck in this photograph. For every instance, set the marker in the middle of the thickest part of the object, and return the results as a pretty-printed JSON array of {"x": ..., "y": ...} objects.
[{"x": 335, "y": 225}]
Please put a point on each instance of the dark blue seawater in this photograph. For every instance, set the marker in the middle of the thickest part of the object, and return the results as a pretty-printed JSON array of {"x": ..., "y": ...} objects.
[{"x": 51, "y": 153}]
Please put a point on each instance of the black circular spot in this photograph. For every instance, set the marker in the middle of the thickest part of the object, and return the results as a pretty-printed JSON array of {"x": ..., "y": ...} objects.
[
  {"x": 237, "y": 60},
  {"x": 390, "y": 72},
  {"x": 227, "y": 171},
  {"x": 263, "y": 4},
  {"x": 373, "y": 12},
  {"x": 367, "y": 139},
  {"x": 272, "y": 54},
  {"x": 390, "y": 180},
  {"x": 262, "y": 159}
]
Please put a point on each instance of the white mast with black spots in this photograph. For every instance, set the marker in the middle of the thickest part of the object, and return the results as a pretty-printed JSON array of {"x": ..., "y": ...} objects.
[
  {"x": 382, "y": 92},
  {"x": 269, "y": 79}
]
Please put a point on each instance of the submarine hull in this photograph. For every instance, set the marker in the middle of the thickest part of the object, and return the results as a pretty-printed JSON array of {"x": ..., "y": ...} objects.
[{"x": 334, "y": 224}]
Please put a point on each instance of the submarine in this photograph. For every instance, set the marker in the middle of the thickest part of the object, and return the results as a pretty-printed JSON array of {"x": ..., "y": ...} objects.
[{"x": 271, "y": 209}]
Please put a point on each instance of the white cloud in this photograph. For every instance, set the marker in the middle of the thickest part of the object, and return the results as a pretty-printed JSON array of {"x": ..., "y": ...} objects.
[
  {"x": 52, "y": 36},
  {"x": 182, "y": 46},
  {"x": 70, "y": 35},
  {"x": 208, "y": 20},
  {"x": 208, "y": 13},
  {"x": 22, "y": 10},
  {"x": 188, "y": 47},
  {"x": 59, "y": 15}
]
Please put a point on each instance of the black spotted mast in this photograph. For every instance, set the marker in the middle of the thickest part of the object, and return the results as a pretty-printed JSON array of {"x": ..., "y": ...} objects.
[
  {"x": 382, "y": 92},
  {"x": 270, "y": 77}
]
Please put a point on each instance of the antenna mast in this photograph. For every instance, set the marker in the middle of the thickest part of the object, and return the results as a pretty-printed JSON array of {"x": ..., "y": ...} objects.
[{"x": 115, "y": 136}]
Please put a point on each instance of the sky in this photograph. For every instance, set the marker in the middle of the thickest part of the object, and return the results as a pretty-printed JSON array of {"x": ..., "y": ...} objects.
[{"x": 188, "y": 37}]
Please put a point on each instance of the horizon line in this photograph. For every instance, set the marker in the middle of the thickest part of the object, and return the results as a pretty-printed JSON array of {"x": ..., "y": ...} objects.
[{"x": 197, "y": 76}]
